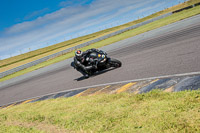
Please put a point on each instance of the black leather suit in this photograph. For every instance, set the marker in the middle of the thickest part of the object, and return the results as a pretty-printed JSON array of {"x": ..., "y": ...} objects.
[{"x": 80, "y": 64}]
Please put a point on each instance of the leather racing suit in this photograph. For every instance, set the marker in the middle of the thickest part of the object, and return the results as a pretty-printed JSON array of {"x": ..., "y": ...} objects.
[{"x": 82, "y": 65}]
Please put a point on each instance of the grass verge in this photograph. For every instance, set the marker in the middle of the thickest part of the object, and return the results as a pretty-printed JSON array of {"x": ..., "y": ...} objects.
[
  {"x": 155, "y": 111},
  {"x": 159, "y": 23},
  {"x": 37, "y": 54}
]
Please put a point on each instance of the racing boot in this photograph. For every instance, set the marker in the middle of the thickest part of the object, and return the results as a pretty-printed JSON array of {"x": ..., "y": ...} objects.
[{"x": 86, "y": 75}]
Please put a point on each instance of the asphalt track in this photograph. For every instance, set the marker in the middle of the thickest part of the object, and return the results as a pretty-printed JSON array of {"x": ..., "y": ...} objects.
[{"x": 173, "y": 49}]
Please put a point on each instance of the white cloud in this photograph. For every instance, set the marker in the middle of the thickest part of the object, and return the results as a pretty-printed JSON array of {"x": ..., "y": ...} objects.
[
  {"x": 68, "y": 20},
  {"x": 36, "y": 13},
  {"x": 68, "y": 3}
]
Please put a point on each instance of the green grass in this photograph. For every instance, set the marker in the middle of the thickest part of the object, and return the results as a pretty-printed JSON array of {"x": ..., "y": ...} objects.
[
  {"x": 155, "y": 111},
  {"x": 17, "y": 129},
  {"x": 37, "y": 54},
  {"x": 159, "y": 23}
]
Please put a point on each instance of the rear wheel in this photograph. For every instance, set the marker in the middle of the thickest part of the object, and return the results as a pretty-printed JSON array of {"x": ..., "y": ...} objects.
[{"x": 115, "y": 63}]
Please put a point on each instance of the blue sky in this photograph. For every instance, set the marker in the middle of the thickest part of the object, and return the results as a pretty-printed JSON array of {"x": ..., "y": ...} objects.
[{"x": 31, "y": 24}]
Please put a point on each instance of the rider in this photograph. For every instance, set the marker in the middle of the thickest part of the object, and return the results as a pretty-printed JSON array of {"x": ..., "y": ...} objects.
[{"x": 80, "y": 61}]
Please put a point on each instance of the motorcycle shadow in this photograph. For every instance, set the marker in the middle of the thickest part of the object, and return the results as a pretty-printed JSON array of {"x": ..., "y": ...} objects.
[{"x": 95, "y": 74}]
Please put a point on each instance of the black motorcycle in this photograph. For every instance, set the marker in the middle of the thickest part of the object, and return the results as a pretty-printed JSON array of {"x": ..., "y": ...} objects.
[{"x": 101, "y": 61}]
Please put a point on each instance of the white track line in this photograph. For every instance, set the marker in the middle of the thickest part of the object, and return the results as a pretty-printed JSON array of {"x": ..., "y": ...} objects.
[{"x": 120, "y": 82}]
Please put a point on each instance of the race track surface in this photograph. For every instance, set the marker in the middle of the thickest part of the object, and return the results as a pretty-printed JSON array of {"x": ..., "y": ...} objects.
[{"x": 173, "y": 49}]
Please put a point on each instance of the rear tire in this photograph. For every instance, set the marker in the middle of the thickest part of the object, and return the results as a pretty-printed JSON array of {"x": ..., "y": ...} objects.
[{"x": 115, "y": 63}]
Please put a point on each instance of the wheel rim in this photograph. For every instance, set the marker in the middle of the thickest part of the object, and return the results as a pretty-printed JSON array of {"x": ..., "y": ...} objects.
[{"x": 117, "y": 65}]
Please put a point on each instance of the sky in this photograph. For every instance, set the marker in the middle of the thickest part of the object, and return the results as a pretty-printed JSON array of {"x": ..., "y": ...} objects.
[{"x": 27, "y": 25}]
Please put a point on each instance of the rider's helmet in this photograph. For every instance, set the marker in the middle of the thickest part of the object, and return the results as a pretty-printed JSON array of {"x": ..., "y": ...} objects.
[{"x": 79, "y": 54}]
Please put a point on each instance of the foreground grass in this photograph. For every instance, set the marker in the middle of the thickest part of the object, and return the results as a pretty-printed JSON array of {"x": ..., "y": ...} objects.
[
  {"x": 37, "y": 54},
  {"x": 151, "y": 112},
  {"x": 165, "y": 21}
]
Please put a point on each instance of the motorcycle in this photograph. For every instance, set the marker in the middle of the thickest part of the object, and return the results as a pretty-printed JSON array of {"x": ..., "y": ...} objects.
[{"x": 101, "y": 61}]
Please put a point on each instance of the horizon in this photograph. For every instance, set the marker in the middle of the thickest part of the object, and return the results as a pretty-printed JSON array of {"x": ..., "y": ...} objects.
[{"x": 44, "y": 24}]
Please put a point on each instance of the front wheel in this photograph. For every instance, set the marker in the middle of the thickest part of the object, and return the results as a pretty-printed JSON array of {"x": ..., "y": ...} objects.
[{"x": 115, "y": 63}]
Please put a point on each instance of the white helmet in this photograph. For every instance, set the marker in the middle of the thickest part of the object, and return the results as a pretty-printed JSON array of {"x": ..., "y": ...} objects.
[{"x": 78, "y": 54}]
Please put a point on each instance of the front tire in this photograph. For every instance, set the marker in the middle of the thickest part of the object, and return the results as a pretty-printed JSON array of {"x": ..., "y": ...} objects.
[{"x": 115, "y": 63}]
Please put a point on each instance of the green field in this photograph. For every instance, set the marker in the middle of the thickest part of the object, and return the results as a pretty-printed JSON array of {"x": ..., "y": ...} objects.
[
  {"x": 159, "y": 23},
  {"x": 155, "y": 111},
  {"x": 37, "y": 54}
]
